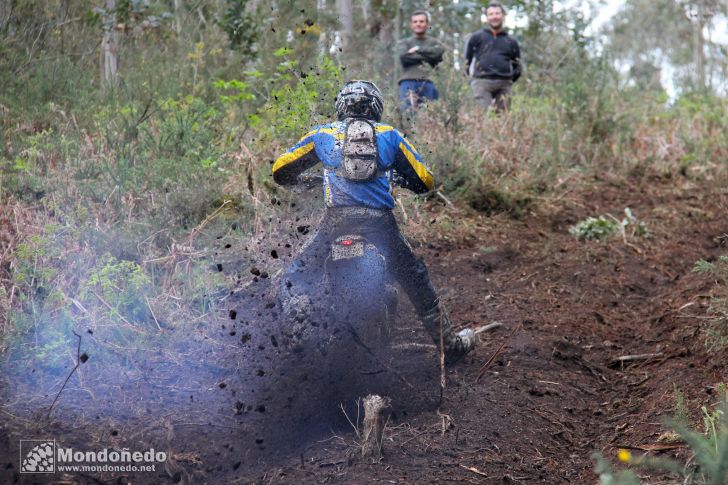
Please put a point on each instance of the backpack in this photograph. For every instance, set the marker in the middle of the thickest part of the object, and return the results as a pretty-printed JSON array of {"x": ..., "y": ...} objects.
[{"x": 360, "y": 161}]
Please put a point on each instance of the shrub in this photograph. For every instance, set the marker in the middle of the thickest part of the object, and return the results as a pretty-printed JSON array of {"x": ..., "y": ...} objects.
[
  {"x": 716, "y": 328},
  {"x": 710, "y": 448},
  {"x": 604, "y": 227},
  {"x": 595, "y": 228},
  {"x": 121, "y": 285},
  {"x": 297, "y": 101},
  {"x": 607, "y": 476}
]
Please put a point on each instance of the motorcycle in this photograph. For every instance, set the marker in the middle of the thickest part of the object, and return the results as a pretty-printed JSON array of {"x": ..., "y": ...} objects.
[
  {"x": 359, "y": 292},
  {"x": 340, "y": 336},
  {"x": 363, "y": 296}
]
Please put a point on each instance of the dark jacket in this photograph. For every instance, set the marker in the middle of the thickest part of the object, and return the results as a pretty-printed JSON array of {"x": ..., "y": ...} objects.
[
  {"x": 496, "y": 56},
  {"x": 418, "y": 65}
]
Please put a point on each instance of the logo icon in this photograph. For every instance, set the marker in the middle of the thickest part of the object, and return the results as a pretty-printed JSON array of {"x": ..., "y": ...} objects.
[{"x": 37, "y": 456}]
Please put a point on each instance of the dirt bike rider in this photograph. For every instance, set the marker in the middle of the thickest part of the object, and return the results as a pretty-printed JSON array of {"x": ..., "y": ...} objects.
[{"x": 357, "y": 193}]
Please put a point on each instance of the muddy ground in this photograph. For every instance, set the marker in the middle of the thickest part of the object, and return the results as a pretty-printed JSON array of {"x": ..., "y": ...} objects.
[{"x": 550, "y": 398}]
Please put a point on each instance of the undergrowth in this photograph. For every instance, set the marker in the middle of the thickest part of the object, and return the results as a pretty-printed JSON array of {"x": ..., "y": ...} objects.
[
  {"x": 709, "y": 446},
  {"x": 545, "y": 146},
  {"x": 604, "y": 227},
  {"x": 716, "y": 327}
]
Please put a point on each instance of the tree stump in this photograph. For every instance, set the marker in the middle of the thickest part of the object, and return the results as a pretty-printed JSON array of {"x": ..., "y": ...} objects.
[{"x": 375, "y": 418}]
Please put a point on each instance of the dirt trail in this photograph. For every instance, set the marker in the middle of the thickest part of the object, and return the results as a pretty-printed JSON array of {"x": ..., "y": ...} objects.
[
  {"x": 569, "y": 308},
  {"x": 551, "y": 398}
]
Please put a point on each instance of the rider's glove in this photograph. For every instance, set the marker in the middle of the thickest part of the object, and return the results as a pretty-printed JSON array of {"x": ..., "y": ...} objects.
[
  {"x": 307, "y": 181},
  {"x": 397, "y": 179}
]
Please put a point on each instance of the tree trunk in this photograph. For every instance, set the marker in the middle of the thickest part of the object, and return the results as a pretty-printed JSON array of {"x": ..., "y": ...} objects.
[
  {"x": 344, "y": 10},
  {"x": 109, "y": 47},
  {"x": 725, "y": 61},
  {"x": 397, "y": 36},
  {"x": 699, "y": 46},
  {"x": 380, "y": 21},
  {"x": 320, "y": 10},
  {"x": 178, "y": 16}
]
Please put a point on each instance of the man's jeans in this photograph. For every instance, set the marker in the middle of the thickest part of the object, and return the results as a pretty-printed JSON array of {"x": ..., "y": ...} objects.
[
  {"x": 486, "y": 91},
  {"x": 413, "y": 92}
]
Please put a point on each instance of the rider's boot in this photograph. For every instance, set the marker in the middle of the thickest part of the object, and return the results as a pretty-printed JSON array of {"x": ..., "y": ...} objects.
[{"x": 456, "y": 344}]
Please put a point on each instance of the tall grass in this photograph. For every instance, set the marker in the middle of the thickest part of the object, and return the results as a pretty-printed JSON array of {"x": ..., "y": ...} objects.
[
  {"x": 715, "y": 328},
  {"x": 507, "y": 163}
]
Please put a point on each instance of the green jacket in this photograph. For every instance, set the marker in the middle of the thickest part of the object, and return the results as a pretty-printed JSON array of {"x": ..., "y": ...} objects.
[{"x": 418, "y": 65}]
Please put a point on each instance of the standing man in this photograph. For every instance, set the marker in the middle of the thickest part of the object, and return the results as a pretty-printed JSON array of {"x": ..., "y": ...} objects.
[
  {"x": 493, "y": 60},
  {"x": 419, "y": 55}
]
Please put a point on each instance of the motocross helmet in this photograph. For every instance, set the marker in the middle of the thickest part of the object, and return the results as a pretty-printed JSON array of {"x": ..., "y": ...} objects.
[{"x": 359, "y": 99}]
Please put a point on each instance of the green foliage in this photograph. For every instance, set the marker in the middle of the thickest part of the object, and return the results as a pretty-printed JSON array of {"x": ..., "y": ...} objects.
[
  {"x": 595, "y": 228},
  {"x": 33, "y": 272},
  {"x": 122, "y": 174},
  {"x": 712, "y": 421},
  {"x": 681, "y": 414},
  {"x": 603, "y": 227},
  {"x": 239, "y": 91},
  {"x": 138, "y": 13},
  {"x": 608, "y": 477},
  {"x": 120, "y": 284},
  {"x": 39, "y": 279},
  {"x": 202, "y": 286},
  {"x": 653, "y": 44},
  {"x": 475, "y": 158},
  {"x": 171, "y": 152},
  {"x": 184, "y": 129},
  {"x": 298, "y": 100},
  {"x": 719, "y": 268},
  {"x": 239, "y": 25},
  {"x": 28, "y": 255},
  {"x": 710, "y": 448},
  {"x": 715, "y": 330}
]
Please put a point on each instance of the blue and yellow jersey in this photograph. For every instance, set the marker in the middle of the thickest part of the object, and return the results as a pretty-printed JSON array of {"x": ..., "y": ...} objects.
[{"x": 324, "y": 144}]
